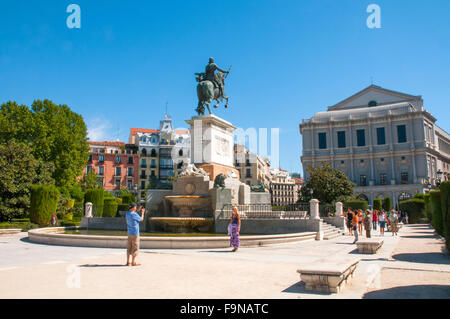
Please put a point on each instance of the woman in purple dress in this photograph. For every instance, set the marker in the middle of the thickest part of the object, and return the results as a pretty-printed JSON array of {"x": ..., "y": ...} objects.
[{"x": 235, "y": 222}]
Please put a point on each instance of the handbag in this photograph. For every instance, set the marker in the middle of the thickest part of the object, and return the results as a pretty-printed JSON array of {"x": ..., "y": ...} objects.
[{"x": 229, "y": 229}]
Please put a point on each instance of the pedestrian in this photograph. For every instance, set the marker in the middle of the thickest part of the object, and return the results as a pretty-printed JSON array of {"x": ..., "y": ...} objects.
[
  {"x": 382, "y": 219},
  {"x": 349, "y": 221},
  {"x": 235, "y": 222},
  {"x": 360, "y": 221},
  {"x": 393, "y": 220},
  {"x": 400, "y": 216},
  {"x": 368, "y": 224},
  {"x": 375, "y": 219},
  {"x": 133, "y": 219},
  {"x": 54, "y": 219},
  {"x": 406, "y": 218},
  {"x": 355, "y": 227}
]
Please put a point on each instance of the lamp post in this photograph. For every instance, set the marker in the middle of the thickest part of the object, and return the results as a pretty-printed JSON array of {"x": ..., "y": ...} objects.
[{"x": 439, "y": 176}]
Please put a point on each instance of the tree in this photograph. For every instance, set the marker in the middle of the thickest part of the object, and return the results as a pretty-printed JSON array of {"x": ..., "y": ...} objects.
[
  {"x": 387, "y": 203},
  {"x": 19, "y": 170},
  {"x": 377, "y": 204},
  {"x": 90, "y": 181},
  {"x": 55, "y": 134},
  {"x": 328, "y": 184}
]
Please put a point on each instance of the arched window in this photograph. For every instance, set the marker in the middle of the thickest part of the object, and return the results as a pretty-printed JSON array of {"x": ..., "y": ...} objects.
[
  {"x": 144, "y": 152},
  {"x": 373, "y": 103},
  {"x": 153, "y": 154},
  {"x": 180, "y": 153},
  {"x": 363, "y": 197}
]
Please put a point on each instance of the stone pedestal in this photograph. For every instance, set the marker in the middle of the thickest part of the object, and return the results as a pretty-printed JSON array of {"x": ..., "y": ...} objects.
[
  {"x": 244, "y": 194},
  {"x": 314, "y": 209},
  {"x": 212, "y": 144},
  {"x": 339, "y": 209}
]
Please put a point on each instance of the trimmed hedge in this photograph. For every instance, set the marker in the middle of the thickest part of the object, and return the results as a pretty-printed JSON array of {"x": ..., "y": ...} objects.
[
  {"x": 428, "y": 208},
  {"x": 128, "y": 198},
  {"x": 44, "y": 201},
  {"x": 387, "y": 203},
  {"x": 436, "y": 217},
  {"x": 356, "y": 204},
  {"x": 416, "y": 210},
  {"x": 110, "y": 207},
  {"x": 95, "y": 196},
  {"x": 122, "y": 208},
  {"x": 445, "y": 206},
  {"x": 377, "y": 204}
]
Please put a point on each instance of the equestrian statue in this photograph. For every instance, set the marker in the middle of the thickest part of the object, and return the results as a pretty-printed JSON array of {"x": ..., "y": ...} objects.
[{"x": 211, "y": 87}]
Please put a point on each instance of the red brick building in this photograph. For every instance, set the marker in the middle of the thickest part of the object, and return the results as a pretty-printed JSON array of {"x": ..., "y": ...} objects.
[{"x": 115, "y": 163}]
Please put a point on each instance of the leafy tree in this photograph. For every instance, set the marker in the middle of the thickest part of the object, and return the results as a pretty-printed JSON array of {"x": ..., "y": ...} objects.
[
  {"x": 44, "y": 202},
  {"x": 328, "y": 184},
  {"x": 90, "y": 181},
  {"x": 19, "y": 170},
  {"x": 55, "y": 134}
]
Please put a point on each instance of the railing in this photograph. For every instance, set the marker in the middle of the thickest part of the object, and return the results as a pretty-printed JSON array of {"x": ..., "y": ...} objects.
[
  {"x": 265, "y": 211},
  {"x": 326, "y": 209}
]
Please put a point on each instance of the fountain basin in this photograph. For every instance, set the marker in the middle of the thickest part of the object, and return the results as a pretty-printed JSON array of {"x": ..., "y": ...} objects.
[{"x": 182, "y": 224}]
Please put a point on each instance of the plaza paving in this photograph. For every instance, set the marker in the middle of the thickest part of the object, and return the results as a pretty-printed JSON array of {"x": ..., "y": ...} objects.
[{"x": 411, "y": 265}]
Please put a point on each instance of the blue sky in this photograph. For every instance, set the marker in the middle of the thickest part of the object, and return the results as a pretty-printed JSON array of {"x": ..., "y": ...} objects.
[{"x": 290, "y": 59}]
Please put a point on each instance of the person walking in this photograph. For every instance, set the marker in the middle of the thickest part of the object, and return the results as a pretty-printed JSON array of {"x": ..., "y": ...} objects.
[
  {"x": 349, "y": 221},
  {"x": 235, "y": 222},
  {"x": 133, "y": 219},
  {"x": 54, "y": 220},
  {"x": 368, "y": 224},
  {"x": 355, "y": 227},
  {"x": 393, "y": 220},
  {"x": 360, "y": 221},
  {"x": 406, "y": 217},
  {"x": 382, "y": 219},
  {"x": 375, "y": 219}
]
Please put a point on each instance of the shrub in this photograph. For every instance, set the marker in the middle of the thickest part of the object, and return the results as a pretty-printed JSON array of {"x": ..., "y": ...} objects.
[
  {"x": 24, "y": 226},
  {"x": 128, "y": 198},
  {"x": 436, "y": 217},
  {"x": 110, "y": 207},
  {"x": 428, "y": 208},
  {"x": 445, "y": 206},
  {"x": 387, "y": 203},
  {"x": 416, "y": 210},
  {"x": 122, "y": 208},
  {"x": 356, "y": 204},
  {"x": 377, "y": 204},
  {"x": 44, "y": 201},
  {"x": 69, "y": 223},
  {"x": 419, "y": 196},
  {"x": 119, "y": 200},
  {"x": 95, "y": 196}
]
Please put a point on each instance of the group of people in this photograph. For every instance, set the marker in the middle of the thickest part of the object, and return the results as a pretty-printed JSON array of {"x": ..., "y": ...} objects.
[{"x": 357, "y": 220}]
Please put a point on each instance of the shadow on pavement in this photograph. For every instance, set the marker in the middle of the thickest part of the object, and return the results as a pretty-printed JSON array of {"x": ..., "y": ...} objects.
[
  {"x": 426, "y": 258},
  {"x": 102, "y": 266},
  {"x": 411, "y": 292},
  {"x": 299, "y": 288},
  {"x": 218, "y": 251},
  {"x": 421, "y": 236}
]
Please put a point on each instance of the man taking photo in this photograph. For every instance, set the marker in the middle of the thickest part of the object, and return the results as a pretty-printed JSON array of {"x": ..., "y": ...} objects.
[{"x": 133, "y": 220}]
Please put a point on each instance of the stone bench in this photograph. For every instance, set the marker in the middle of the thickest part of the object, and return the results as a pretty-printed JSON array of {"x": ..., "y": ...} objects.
[
  {"x": 328, "y": 277},
  {"x": 369, "y": 245},
  {"x": 10, "y": 231}
]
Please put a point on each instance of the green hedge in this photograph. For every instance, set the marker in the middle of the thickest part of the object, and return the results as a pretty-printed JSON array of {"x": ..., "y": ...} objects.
[
  {"x": 128, "y": 198},
  {"x": 377, "y": 204},
  {"x": 24, "y": 226},
  {"x": 428, "y": 210},
  {"x": 445, "y": 205},
  {"x": 110, "y": 207},
  {"x": 436, "y": 212},
  {"x": 416, "y": 210},
  {"x": 387, "y": 203},
  {"x": 95, "y": 196},
  {"x": 122, "y": 208},
  {"x": 356, "y": 204},
  {"x": 44, "y": 201}
]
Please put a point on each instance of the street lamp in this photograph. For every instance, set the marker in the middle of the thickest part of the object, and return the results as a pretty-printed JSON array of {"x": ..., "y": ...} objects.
[{"x": 439, "y": 176}]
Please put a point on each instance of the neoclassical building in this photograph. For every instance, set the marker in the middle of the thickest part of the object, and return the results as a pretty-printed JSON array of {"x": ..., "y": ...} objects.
[{"x": 385, "y": 141}]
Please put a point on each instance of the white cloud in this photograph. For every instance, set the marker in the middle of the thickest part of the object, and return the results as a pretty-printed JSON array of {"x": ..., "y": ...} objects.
[{"x": 99, "y": 129}]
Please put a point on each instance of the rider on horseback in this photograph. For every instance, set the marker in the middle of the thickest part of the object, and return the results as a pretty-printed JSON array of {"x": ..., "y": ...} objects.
[{"x": 214, "y": 78}]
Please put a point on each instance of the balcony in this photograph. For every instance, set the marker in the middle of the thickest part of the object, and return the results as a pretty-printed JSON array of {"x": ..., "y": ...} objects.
[
  {"x": 142, "y": 176},
  {"x": 143, "y": 165}
]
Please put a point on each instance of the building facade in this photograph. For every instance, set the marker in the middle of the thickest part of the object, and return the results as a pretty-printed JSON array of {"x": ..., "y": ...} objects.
[
  {"x": 252, "y": 168},
  {"x": 284, "y": 189},
  {"x": 161, "y": 153},
  {"x": 115, "y": 164},
  {"x": 385, "y": 141}
]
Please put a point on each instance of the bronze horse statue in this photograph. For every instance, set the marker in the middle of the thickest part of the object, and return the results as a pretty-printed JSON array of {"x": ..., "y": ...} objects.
[{"x": 208, "y": 92}]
